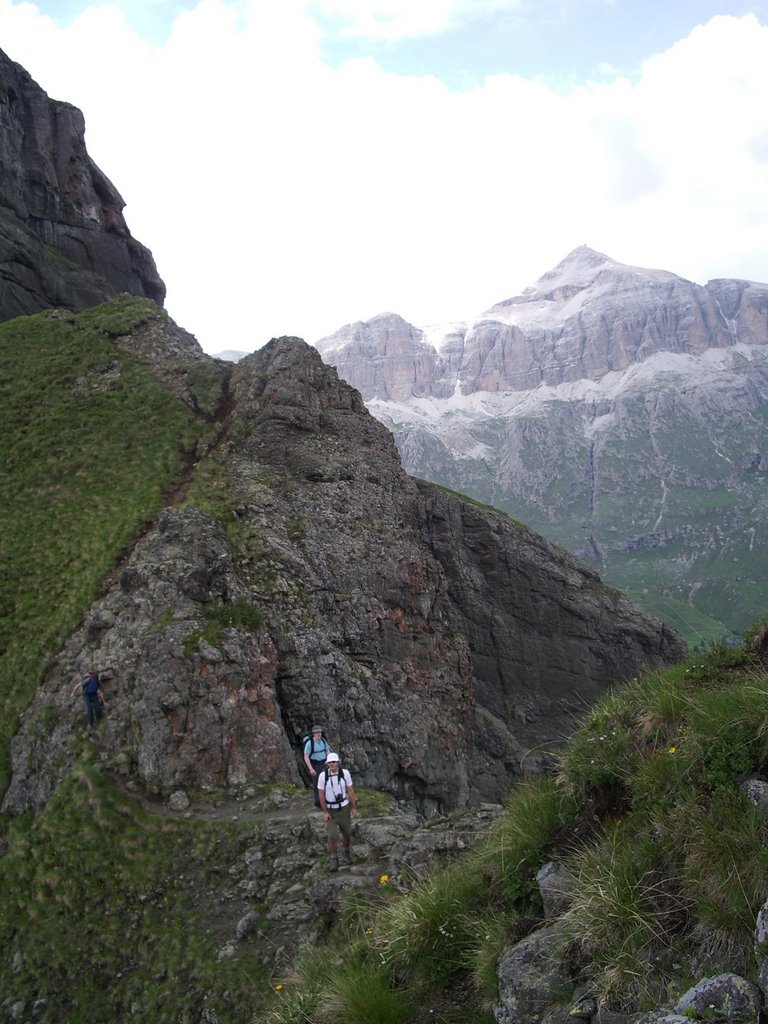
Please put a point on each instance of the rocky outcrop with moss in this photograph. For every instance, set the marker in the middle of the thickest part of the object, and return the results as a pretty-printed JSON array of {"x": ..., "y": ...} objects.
[{"x": 303, "y": 576}]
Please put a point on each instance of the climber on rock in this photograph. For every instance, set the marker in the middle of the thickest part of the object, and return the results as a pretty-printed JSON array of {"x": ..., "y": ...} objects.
[{"x": 93, "y": 698}]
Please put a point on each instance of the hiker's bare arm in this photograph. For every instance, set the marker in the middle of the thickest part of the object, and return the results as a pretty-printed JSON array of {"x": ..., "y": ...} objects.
[{"x": 352, "y": 800}]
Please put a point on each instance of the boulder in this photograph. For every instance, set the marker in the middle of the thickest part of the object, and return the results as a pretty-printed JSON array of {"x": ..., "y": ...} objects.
[
  {"x": 725, "y": 997},
  {"x": 534, "y": 983}
]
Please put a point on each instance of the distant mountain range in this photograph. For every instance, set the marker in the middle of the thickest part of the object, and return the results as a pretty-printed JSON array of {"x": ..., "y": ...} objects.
[{"x": 622, "y": 412}]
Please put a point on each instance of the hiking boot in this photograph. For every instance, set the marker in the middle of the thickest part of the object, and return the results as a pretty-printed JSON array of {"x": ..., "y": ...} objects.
[
  {"x": 334, "y": 864},
  {"x": 345, "y": 857}
]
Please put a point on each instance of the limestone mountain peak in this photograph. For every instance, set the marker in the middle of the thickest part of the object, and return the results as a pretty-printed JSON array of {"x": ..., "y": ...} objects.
[
  {"x": 381, "y": 333},
  {"x": 578, "y": 268},
  {"x": 587, "y": 317},
  {"x": 583, "y": 279}
]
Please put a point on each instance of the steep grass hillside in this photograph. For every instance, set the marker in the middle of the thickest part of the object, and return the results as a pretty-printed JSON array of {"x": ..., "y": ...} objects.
[
  {"x": 91, "y": 442},
  {"x": 108, "y": 912},
  {"x": 668, "y": 856}
]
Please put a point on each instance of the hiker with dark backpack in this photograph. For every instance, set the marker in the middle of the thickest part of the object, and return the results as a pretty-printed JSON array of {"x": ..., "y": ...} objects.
[
  {"x": 93, "y": 698},
  {"x": 339, "y": 805},
  {"x": 315, "y": 752}
]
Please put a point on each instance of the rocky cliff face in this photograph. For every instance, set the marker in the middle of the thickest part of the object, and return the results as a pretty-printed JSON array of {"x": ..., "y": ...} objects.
[
  {"x": 305, "y": 576},
  {"x": 63, "y": 238},
  {"x": 387, "y": 357},
  {"x": 620, "y": 411}
]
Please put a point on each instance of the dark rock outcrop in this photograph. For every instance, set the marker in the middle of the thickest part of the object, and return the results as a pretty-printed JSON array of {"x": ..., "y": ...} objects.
[
  {"x": 545, "y": 634},
  {"x": 63, "y": 239},
  {"x": 444, "y": 647}
]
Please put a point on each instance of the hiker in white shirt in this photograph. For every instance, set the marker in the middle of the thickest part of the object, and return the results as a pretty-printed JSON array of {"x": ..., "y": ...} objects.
[{"x": 339, "y": 806}]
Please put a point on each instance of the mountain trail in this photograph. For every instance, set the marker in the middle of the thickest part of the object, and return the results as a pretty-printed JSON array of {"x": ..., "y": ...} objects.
[{"x": 280, "y": 885}]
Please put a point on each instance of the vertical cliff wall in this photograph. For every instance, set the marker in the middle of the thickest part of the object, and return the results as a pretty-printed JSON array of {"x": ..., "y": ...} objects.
[{"x": 63, "y": 238}]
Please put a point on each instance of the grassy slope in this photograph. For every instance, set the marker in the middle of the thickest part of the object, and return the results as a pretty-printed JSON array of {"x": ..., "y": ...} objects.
[
  {"x": 90, "y": 441},
  {"x": 104, "y": 911}
]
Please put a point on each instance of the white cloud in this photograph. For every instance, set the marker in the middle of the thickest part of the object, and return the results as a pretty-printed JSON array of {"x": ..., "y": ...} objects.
[{"x": 280, "y": 195}]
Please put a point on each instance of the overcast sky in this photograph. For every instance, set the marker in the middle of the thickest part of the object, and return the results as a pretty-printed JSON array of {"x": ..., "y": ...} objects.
[{"x": 294, "y": 166}]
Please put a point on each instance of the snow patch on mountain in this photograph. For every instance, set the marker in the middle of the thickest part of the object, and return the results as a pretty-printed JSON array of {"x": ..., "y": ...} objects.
[
  {"x": 231, "y": 355},
  {"x": 439, "y": 335},
  {"x": 472, "y": 408}
]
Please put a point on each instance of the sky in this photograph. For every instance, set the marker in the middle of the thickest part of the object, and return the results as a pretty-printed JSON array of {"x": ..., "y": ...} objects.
[{"x": 297, "y": 165}]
